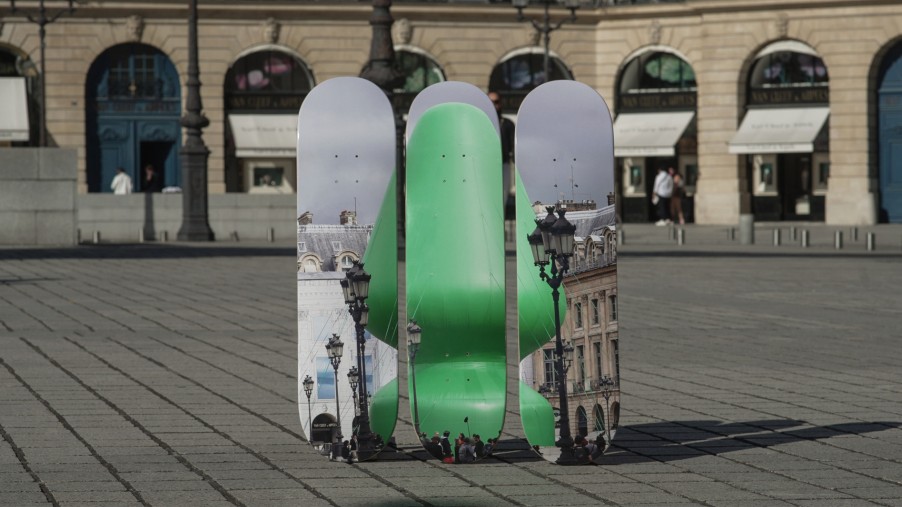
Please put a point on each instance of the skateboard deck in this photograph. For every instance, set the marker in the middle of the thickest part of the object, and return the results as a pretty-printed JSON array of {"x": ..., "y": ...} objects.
[
  {"x": 345, "y": 163},
  {"x": 455, "y": 272},
  {"x": 450, "y": 91},
  {"x": 571, "y": 166}
]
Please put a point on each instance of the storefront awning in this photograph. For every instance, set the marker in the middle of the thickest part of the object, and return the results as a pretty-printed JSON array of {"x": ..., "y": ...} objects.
[
  {"x": 789, "y": 130},
  {"x": 649, "y": 134},
  {"x": 265, "y": 135},
  {"x": 13, "y": 109}
]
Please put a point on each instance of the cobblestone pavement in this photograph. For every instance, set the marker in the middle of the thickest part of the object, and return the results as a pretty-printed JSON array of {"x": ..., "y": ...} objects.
[{"x": 166, "y": 375}]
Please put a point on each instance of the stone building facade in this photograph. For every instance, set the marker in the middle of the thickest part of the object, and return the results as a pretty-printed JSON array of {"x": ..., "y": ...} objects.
[
  {"x": 836, "y": 158},
  {"x": 590, "y": 327}
]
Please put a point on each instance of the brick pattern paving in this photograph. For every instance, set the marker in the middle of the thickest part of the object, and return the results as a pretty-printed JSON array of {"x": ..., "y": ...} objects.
[{"x": 166, "y": 375}]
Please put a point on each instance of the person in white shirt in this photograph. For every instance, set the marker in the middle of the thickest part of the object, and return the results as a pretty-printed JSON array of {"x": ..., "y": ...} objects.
[
  {"x": 663, "y": 191},
  {"x": 122, "y": 183}
]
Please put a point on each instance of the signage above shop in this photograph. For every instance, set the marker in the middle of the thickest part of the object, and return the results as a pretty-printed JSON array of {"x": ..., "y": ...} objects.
[
  {"x": 801, "y": 95},
  {"x": 660, "y": 101},
  {"x": 269, "y": 102},
  {"x": 138, "y": 106}
]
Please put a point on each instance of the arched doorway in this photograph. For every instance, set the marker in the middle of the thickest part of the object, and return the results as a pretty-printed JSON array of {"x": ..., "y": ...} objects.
[
  {"x": 325, "y": 427},
  {"x": 582, "y": 422},
  {"x": 264, "y": 90},
  {"x": 133, "y": 100},
  {"x": 784, "y": 137},
  {"x": 599, "y": 418},
  {"x": 655, "y": 127},
  {"x": 889, "y": 136},
  {"x": 520, "y": 71},
  {"x": 19, "y": 87}
]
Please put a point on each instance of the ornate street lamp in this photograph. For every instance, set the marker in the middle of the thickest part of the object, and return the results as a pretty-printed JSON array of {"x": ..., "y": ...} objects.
[
  {"x": 308, "y": 390},
  {"x": 42, "y": 19},
  {"x": 194, "y": 153},
  {"x": 353, "y": 379},
  {"x": 356, "y": 290},
  {"x": 414, "y": 336},
  {"x": 556, "y": 236},
  {"x": 334, "y": 350},
  {"x": 606, "y": 384},
  {"x": 546, "y": 26}
]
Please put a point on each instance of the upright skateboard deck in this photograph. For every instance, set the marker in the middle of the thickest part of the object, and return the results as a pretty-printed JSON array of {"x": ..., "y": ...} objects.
[
  {"x": 442, "y": 93},
  {"x": 345, "y": 164},
  {"x": 570, "y": 165},
  {"x": 455, "y": 272}
]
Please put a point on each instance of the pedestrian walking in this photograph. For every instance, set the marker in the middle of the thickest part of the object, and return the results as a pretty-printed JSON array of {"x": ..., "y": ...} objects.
[
  {"x": 122, "y": 182},
  {"x": 663, "y": 190},
  {"x": 676, "y": 198}
]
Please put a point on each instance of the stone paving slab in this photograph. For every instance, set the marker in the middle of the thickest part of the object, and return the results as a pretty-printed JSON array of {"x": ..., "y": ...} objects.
[{"x": 166, "y": 375}]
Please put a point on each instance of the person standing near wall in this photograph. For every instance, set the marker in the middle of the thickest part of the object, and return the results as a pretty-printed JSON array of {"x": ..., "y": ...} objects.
[
  {"x": 661, "y": 198},
  {"x": 122, "y": 183},
  {"x": 151, "y": 181}
]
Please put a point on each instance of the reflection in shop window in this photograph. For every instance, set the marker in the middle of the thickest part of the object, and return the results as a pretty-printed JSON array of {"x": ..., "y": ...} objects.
[{"x": 418, "y": 69}]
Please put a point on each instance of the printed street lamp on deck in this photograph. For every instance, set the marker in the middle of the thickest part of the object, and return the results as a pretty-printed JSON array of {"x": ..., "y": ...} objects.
[
  {"x": 308, "y": 390},
  {"x": 334, "y": 349}
]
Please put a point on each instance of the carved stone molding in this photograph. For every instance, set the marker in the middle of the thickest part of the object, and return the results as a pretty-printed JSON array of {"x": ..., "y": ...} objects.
[
  {"x": 271, "y": 30},
  {"x": 782, "y": 25},
  {"x": 402, "y": 31},
  {"x": 654, "y": 33},
  {"x": 134, "y": 28}
]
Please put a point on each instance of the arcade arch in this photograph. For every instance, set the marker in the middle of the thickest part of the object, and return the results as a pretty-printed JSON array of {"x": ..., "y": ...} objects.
[
  {"x": 655, "y": 127},
  {"x": 264, "y": 89},
  {"x": 889, "y": 134},
  {"x": 784, "y": 135},
  {"x": 133, "y": 102}
]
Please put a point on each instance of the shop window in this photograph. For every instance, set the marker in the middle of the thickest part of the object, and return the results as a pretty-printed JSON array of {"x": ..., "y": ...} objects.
[
  {"x": 598, "y": 364},
  {"x": 523, "y": 72},
  {"x": 657, "y": 71},
  {"x": 419, "y": 70},
  {"x": 548, "y": 364},
  {"x": 822, "y": 175},
  {"x": 789, "y": 69}
]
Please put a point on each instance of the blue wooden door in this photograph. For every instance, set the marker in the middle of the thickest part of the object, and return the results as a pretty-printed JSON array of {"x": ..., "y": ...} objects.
[{"x": 890, "y": 138}]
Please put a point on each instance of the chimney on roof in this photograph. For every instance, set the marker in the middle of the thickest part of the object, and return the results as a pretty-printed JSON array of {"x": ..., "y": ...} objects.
[
  {"x": 347, "y": 218},
  {"x": 306, "y": 218}
]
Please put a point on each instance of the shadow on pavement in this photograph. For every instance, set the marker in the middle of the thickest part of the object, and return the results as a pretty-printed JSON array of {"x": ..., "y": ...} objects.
[
  {"x": 679, "y": 440},
  {"x": 146, "y": 251}
]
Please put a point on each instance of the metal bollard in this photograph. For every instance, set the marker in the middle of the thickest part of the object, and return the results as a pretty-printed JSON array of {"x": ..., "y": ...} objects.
[
  {"x": 792, "y": 234},
  {"x": 837, "y": 240},
  {"x": 747, "y": 229},
  {"x": 620, "y": 237},
  {"x": 234, "y": 235},
  {"x": 776, "y": 237},
  {"x": 805, "y": 242},
  {"x": 271, "y": 235},
  {"x": 164, "y": 236},
  {"x": 141, "y": 235},
  {"x": 681, "y": 236},
  {"x": 731, "y": 234},
  {"x": 77, "y": 236},
  {"x": 854, "y": 234},
  {"x": 872, "y": 241},
  {"x": 96, "y": 237}
]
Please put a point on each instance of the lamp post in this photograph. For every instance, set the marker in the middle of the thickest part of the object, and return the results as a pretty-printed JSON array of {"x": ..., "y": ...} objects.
[
  {"x": 308, "y": 390},
  {"x": 356, "y": 288},
  {"x": 414, "y": 336},
  {"x": 194, "y": 154},
  {"x": 546, "y": 26},
  {"x": 606, "y": 383},
  {"x": 353, "y": 379},
  {"x": 334, "y": 350},
  {"x": 42, "y": 19},
  {"x": 552, "y": 244}
]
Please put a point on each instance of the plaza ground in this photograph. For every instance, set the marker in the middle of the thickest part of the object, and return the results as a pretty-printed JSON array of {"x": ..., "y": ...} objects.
[{"x": 166, "y": 375}]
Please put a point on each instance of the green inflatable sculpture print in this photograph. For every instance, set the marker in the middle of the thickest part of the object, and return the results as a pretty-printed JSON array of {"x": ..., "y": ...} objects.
[{"x": 453, "y": 281}]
